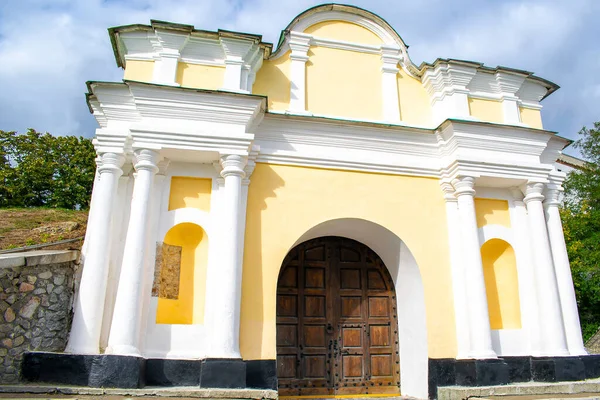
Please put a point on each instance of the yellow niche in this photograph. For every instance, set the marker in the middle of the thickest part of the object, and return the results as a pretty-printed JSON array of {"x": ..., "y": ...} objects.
[
  {"x": 501, "y": 284},
  {"x": 188, "y": 308}
]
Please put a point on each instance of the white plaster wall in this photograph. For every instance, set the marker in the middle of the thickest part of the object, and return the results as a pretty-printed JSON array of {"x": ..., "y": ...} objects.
[{"x": 412, "y": 327}]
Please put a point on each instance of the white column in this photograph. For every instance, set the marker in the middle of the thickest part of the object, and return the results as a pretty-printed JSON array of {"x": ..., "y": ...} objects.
[
  {"x": 125, "y": 327},
  {"x": 390, "y": 56},
  {"x": 552, "y": 331},
  {"x": 299, "y": 44},
  {"x": 89, "y": 307},
  {"x": 227, "y": 301},
  {"x": 566, "y": 291},
  {"x": 479, "y": 320},
  {"x": 458, "y": 272},
  {"x": 89, "y": 227}
]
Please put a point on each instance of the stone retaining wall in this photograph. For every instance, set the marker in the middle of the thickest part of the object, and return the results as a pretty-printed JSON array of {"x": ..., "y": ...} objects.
[{"x": 36, "y": 294}]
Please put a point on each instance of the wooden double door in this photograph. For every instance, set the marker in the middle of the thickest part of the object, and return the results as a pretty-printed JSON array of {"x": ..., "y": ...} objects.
[{"x": 337, "y": 327}]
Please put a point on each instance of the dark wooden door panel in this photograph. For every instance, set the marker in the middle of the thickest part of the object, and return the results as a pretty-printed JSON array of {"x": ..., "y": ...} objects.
[{"x": 336, "y": 321}]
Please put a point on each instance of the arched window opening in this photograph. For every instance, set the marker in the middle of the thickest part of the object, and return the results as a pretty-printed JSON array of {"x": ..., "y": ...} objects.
[{"x": 501, "y": 284}]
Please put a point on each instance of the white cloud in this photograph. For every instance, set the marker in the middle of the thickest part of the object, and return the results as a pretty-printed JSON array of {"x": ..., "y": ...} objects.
[{"x": 48, "y": 49}]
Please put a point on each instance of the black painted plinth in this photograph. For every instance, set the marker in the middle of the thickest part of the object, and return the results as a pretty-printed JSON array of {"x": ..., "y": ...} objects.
[
  {"x": 223, "y": 373},
  {"x": 505, "y": 370},
  {"x": 102, "y": 370},
  {"x": 261, "y": 374},
  {"x": 166, "y": 372},
  {"x": 112, "y": 371}
]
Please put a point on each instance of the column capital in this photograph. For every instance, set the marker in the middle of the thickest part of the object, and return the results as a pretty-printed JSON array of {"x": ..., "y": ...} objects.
[
  {"x": 233, "y": 164},
  {"x": 449, "y": 192},
  {"x": 110, "y": 162},
  {"x": 146, "y": 159},
  {"x": 464, "y": 185},
  {"x": 533, "y": 192},
  {"x": 391, "y": 56},
  {"x": 299, "y": 44},
  {"x": 517, "y": 195},
  {"x": 553, "y": 196}
]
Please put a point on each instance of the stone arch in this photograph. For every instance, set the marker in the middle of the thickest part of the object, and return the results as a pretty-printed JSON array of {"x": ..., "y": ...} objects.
[{"x": 406, "y": 276}]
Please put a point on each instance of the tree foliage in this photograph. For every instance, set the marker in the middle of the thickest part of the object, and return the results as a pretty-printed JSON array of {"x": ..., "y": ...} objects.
[
  {"x": 581, "y": 223},
  {"x": 41, "y": 170}
]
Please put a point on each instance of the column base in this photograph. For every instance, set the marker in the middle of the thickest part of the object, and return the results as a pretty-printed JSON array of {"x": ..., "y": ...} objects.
[
  {"x": 128, "y": 372},
  {"x": 123, "y": 350}
]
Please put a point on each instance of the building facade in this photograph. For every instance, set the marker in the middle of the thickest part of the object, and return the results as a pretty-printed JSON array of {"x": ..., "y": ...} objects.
[{"x": 323, "y": 218}]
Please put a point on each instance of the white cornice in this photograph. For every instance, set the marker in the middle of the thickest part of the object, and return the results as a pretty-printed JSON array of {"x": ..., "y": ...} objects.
[{"x": 212, "y": 122}]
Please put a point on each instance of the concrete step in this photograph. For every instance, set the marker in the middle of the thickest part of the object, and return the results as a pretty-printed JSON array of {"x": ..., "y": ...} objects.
[
  {"x": 589, "y": 389},
  {"x": 171, "y": 393}
]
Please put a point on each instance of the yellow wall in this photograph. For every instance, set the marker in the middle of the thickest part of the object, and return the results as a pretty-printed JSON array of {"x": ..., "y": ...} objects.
[
  {"x": 492, "y": 212},
  {"x": 273, "y": 80},
  {"x": 344, "y": 31},
  {"x": 284, "y": 202},
  {"x": 486, "y": 110},
  {"x": 343, "y": 84},
  {"x": 415, "y": 106},
  {"x": 501, "y": 284},
  {"x": 531, "y": 117},
  {"x": 188, "y": 308},
  {"x": 139, "y": 70},
  {"x": 200, "y": 76},
  {"x": 190, "y": 192}
]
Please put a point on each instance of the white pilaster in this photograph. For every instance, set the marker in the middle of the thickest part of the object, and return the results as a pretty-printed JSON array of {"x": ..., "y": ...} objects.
[
  {"x": 458, "y": 273},
  {"x": 509, "y": 85},
  {"x": 227, "y": 301},
  {"x": 299, "y": 44},
  {"x": 125, "y": 328},
  {"x": 89, "y": 307},
  {"x": 477, "y": 306},
  {"x": 236, "y": 75},
  {"x": 526, "y": 273},
  {"x": 562, "y": 268},
  {"x": 390, "y": 56},
  {"x": 550, "y": 314},
  {"x": 168, "y": 47}
]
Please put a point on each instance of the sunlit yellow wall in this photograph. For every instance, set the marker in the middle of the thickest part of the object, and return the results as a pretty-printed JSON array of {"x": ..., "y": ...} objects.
[
  {"x": 343, "y": 31},
  {"x": 190, "y": 192},
  {"x": 492, "y": 212},
  {"x": 139, "y": 70},
  {"x": 531, "y": 117},
  {"x": 343, "y": 83},
  {"x": 501, "y": 284},
  {"x": 188, "y": 308},
  {"x": 273, "y": 80},
  {"x": 284, "y": 202},
  {"x": 486, "y": 110},
  {"x": 200, "y": 76},
  {"x": 415, "y": 107}
]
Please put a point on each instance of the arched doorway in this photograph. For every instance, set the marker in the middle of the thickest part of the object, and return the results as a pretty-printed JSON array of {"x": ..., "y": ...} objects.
[{"x": 337, "y": 325}]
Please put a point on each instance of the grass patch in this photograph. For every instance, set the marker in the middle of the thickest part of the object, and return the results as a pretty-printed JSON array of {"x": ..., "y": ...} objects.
[{"x": 17, "y": 226}]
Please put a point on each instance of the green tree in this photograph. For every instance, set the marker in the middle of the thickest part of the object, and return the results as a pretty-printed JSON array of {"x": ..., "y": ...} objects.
[
  {"x": 581, "y": 223},
  {"x": 41, "y": 170}
]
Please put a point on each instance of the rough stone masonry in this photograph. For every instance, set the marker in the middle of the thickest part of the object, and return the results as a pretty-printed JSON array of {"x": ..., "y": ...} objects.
[{"x": 36, "y": 294}]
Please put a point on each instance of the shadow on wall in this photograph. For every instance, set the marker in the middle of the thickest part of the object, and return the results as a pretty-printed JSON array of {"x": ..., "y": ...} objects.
[
  {"x": 269, "y": 183},
  {"x": 412, "y": 328},
  {"x": 501, "y": 284},
  {"x": 185, "y": 309}
]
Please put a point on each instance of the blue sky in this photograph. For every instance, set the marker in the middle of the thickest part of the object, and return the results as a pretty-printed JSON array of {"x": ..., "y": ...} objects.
[{"x": 49, "y": 49}]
